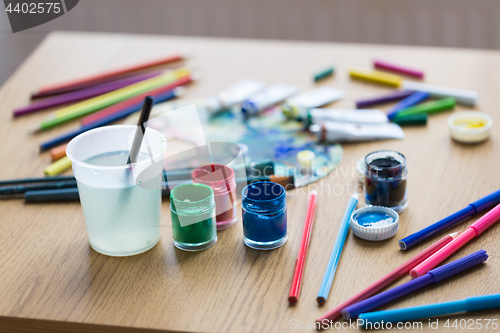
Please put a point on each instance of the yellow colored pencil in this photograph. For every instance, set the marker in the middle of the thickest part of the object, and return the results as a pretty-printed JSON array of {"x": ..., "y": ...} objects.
[
  {"x": 94, "y": 104},
  {"x": 376, "y": 77},
  {"x": 58, "y": 166}
]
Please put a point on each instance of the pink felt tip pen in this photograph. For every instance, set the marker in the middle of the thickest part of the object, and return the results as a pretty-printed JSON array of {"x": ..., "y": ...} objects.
[
  {"x": 379, "y": 64},
  {"x": 474, "y": 230}
]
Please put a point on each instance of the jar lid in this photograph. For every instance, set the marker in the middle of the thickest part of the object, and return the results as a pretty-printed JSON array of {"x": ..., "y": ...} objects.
[
  {"x": 306, "y": 158},
  {"x": 470, "y": 126},
  {"x": 374, "y": 223}
]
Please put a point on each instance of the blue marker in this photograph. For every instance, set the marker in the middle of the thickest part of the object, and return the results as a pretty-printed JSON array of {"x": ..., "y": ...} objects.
[
  {"x": 411, "y": 100},
  {"x": 337, "y": 250},
  {"x": 473, "y": 208},
  {"x": 432, "y": 310}
]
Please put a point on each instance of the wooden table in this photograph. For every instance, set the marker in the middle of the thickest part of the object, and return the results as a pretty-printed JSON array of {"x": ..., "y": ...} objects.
[{"x": 50, "y": 279}]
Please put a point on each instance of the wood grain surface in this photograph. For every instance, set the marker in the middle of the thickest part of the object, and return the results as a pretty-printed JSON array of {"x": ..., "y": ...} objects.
[{"x": 50, "y": 278}]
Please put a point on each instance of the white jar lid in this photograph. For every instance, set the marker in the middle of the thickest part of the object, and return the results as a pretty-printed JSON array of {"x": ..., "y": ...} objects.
[
  {"x": 381, "y": 230},
  {"x": 470, "y": 126}
]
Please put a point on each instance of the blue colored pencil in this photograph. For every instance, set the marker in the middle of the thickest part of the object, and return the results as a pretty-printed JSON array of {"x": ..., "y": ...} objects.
[
  {"x": 104, "y": 121},
  {"x": 411, "y": 100},
  {"x": 432, "y": 310},
  {"x": 337, "y": 250}
]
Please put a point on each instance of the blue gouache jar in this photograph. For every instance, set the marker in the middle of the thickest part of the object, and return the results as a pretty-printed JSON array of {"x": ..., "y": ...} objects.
[{"x": 264, "y": 215}]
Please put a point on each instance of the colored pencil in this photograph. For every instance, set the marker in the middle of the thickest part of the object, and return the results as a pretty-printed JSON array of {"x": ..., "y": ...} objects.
[
  {"x": 304, "y": 244},
  {"x": 474, "y": 230},
  {"x": 12, "y": 182},
  {"x": 135, "y": 100},
  {"x": 58, "y": 167},
  {"x": 91, "y": 105},
  {"x": 79, "y": 95},
  {"x": 467, "y": 97},
  {"x": 475, "y": 207},
  {"x": 411, "y": 100},
  {"x": 384, "y": 65},
  {"x": 333, "y": 262},
  {"x": 394, "y": 96},
  {"x": 103, "y": 77},
  {"x": 71, "y": 194},
  {"x": 51, "y": 185},
  {"x": 388, "y": 278},
  {"x": 436, "y": 275},
  {"x": 106, "y": 120},
  {"x": 376, "y": 77},
  {"x": 58, "y": 152},
  {"x": 470, "y": 304}
]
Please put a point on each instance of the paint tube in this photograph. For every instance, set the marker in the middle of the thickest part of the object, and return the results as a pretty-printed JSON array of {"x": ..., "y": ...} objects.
[
  {"x": 296, "y": 107},
  {"x": 233, "y": 95},
  {"x": 273, "y": 95},
  {"x": 357, "y": 116},
  {"x": 351, "y": 132}
]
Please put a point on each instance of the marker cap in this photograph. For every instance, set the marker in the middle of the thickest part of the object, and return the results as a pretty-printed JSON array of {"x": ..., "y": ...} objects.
[{"x": 470, "y": 126}]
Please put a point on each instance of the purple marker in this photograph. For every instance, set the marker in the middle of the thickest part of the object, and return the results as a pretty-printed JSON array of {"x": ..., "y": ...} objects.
[
  {"x": 411, "y": 100},
  {"x": 82, "y": 94},
  {"x": 396, "y": 95},
  {"x": 398, "y": 69},
  {"x": 433, "y": 276}
]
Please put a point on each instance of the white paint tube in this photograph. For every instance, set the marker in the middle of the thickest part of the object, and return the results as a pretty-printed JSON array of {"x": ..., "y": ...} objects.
[
  {"x": 357, "y": 116},
  {"x": 265, "y": 99},
  {"x": 297, "y": 106},
  {"x": 332, "y": 132},
  {"x": 233, "y": 95}
]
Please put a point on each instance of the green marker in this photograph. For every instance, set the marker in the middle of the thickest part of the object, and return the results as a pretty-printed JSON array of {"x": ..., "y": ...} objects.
[
  {"x": 324, "y": 74},
  {"x": 429, "y": 107},
  {"x": 417, "y": 119}
]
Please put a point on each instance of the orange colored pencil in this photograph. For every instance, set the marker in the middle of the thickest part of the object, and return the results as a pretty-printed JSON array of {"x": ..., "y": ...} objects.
[
  {"x": 105, "y": 77},
  {"x": 304, "y": 245},
  {"x": 58, "y": 152}
]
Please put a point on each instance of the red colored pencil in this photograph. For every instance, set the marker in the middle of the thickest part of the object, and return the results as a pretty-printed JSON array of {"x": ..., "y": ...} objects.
[
  {"x": 304, "y": 245},
  {"x": 105, "y": 77},
  {"x": 388, "y": 278},
  {"x": 120, "y": 106}
]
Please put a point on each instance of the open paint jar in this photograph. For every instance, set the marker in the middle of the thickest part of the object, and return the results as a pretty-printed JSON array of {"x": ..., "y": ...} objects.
[
  {"x": 192, "y": 208},
  {"x": 374, "y": 223},
  {"x": 385, "y": 180},
  {"x": 222, "y": 181},
  {"x": 264, "y": 215}
]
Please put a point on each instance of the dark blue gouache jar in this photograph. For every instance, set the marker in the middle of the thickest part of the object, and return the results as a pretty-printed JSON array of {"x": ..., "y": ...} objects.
[
  {"x": 385, "y": 180},
  {"x": 264, "y": 215}
]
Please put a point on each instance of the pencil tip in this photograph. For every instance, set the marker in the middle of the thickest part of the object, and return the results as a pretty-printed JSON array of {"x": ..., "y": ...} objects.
[
  {"x": 321, "y": 300},
  {"x": 292, "y": 300},
  {"x": 455, "y": 234}
]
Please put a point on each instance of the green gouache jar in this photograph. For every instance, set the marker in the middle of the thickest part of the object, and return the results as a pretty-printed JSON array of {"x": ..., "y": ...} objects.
[{"x": 192, "y": 208}]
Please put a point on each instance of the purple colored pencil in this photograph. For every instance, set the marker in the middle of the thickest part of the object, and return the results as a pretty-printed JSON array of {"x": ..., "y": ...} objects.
[
  {"x": 398, "y": 69},
  {"x": 395, "y": 96},
  {"x": 82, "y": 94},
  {"x": 433, "y": 276}
]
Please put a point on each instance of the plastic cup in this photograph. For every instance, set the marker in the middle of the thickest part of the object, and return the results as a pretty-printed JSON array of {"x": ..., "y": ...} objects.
[{"x": 121, "y": 203}]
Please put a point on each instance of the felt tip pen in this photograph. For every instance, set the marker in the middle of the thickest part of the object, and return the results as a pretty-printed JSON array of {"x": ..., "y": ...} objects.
[
  {"x": 470, "y": 304},
  {"x": 474, "y": 230},
  {"x": 333, "y": 262},
  {"x": 411, "y": 100},
  {"x": 388, "y": 278},
  {"x": 475, "y": 207},
  {"x": 436, "y": 275}
]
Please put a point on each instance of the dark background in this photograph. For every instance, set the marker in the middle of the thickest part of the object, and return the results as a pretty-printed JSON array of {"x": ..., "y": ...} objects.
[{"x": 448, "y": 23}]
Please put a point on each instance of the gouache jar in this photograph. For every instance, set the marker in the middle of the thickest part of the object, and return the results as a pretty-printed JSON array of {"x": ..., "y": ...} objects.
[
  {"x": 385, "y": 180},
  {"x": 264, "y": 215},
  {"x": 192, "y": 208},
  {"x": 222, "y": 181}
]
